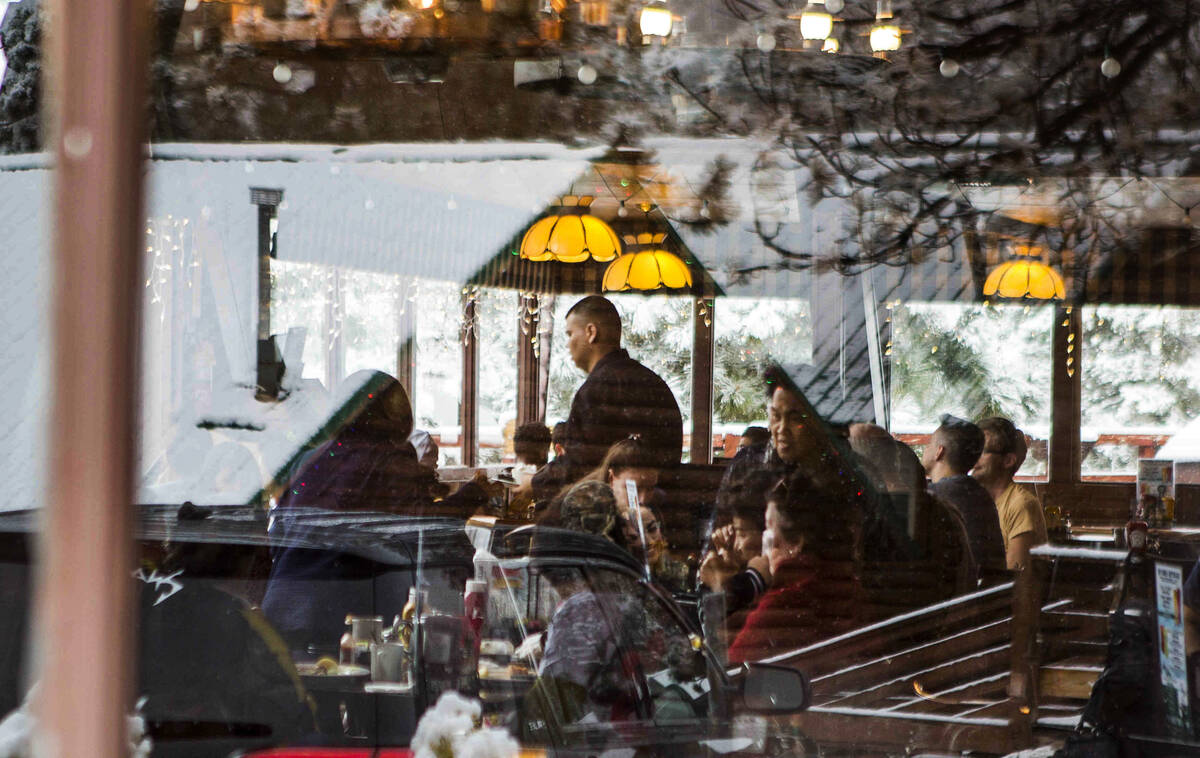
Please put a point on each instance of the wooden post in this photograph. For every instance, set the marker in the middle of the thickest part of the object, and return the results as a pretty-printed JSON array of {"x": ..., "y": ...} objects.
[
  {"x": 406, "y": 343},
  {"x": 1065, "y": 453},
  {"x": 529, "y": 407},
  {"x": 269, "y": 369},
  {"x": 85, "y": 593},
  {"x": 703, "y": 356},
  {"x": 469, "y": 409},
  {"x": 1023, "y": 672}
]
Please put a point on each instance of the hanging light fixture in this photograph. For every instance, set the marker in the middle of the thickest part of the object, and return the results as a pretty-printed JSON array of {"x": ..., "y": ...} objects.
[
  {"x": 571, "y": 235},
  {"x": 655, "y": 20},
  {"x": 830, "y": 45},
  {"x": 645, "y": 265},
  {"x": 885, "y": 35},
  {"x": 1025, "y": 276},
  {"x": 815, "y": 23}
]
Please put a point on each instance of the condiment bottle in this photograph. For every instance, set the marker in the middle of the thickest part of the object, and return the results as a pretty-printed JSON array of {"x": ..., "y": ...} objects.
[
  {"x": 1136, "y": 531},
  {"x": 475, "y": 608},
  {"x": 346, "y": 650},
  {"x": 408, "y": 615}
]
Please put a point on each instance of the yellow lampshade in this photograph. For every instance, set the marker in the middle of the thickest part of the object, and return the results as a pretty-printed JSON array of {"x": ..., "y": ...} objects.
[
  {"x": 646, "y": 266},
  {"x": 885, "y": 38},
  {"x": 1025, "y": 277},
  {"x": 570, "y": 235},
  {"x": 830, "y": 45}
]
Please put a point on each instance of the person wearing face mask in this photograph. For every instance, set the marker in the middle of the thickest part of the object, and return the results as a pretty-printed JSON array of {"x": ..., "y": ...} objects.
[{"x": 814, "y": 591}]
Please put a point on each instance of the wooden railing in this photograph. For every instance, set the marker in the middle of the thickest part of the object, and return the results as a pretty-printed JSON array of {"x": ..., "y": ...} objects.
[{"x": 1002, "y": 669}]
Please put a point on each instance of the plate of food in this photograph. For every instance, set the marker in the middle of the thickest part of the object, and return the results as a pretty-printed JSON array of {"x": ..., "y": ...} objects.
[{"x": 326, "y": 673}]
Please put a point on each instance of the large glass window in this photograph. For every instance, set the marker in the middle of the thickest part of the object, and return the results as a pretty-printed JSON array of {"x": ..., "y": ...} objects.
[
  {"x": 973, "y": 361},
  {"x": 499, "y": 319},
  {"x": 439, "y": 316},
  {"x": 749, "y": 333},
  {"x": 1139, "y": 387},
  {"x": 364, "y": 224}
]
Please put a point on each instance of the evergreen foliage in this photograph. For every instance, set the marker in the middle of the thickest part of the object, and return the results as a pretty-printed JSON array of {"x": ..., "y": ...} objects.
[{"x": 20, "y": 93}]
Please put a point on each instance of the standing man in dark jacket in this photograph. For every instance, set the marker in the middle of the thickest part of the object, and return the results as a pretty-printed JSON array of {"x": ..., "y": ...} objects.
[{"x": 620, "y": 397}]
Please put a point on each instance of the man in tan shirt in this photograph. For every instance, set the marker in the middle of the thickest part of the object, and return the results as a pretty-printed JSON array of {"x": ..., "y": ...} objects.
[{"x": 1021, "y": 519}]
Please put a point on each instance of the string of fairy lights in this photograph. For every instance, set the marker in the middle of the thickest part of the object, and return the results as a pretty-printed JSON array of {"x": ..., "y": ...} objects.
[{"x": 170, "y": 251}]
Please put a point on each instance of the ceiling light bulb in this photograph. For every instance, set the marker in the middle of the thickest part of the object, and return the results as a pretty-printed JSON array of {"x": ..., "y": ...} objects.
[
  {"x": 834, "y": 6},
  {"x": 885, "y": 38},
  {"x": 949, "y": 68},
  {"x": 815, "y": 24},
  {"x": 655, "y": 21},
  {"x": 1110, "y": 67},
  {"x": 766, "y": 42}
]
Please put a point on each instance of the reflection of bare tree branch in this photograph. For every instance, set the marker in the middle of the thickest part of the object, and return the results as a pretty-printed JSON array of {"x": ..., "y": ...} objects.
[
  {"x": 674, "y": 77},
  {"x": 1037, "y": 106}
]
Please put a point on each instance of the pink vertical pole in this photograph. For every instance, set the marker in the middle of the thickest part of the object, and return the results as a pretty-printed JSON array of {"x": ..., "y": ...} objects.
[{"x": 96, "y": 109}]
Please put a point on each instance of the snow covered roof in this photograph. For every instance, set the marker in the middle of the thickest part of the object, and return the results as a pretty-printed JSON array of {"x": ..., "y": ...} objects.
[
  {"x": 443, "y": 211},
  {"x": 24, "y": 357},
  {"x": 1184, "y": 446}
]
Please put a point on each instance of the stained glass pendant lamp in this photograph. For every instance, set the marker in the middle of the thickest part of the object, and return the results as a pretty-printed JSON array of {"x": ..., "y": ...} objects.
[
  {"x": 1025, "y": 276},
  {"x": 571, "y": 235},
  {"x": 646, "y": 266}
]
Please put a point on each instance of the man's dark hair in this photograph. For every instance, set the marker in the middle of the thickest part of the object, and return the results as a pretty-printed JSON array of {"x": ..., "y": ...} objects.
[
  {"x": 745, "y": 492},
  {"x": 963, "y": 442},
  {"x": 600, "y": 311},
  {"x": 756, "y": 435},
  {"x": 798, "y": 501},
  {"x": 774, "y": 376},
  {"x": 531, "y": 443},
  {"x": 756, "y": 514}
]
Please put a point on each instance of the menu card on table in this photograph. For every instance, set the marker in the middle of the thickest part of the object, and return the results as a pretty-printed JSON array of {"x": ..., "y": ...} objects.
[{"x": 1156, "y": 490}]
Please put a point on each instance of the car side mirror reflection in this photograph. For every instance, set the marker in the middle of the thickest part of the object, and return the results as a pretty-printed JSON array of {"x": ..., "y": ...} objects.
[{"x": 775, "y": 689}]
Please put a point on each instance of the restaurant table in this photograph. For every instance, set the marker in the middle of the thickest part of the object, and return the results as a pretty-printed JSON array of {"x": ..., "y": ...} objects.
[{"x": 354, "y": 711}]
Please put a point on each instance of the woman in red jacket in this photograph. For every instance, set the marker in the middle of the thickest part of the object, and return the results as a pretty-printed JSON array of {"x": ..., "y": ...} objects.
[{"x": 814, "y": 592}]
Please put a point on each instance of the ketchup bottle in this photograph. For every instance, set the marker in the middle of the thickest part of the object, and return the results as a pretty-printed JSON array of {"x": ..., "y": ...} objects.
[{"x": 475, "y": 608}]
